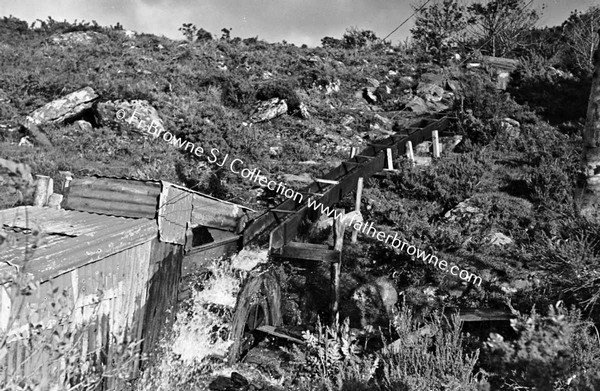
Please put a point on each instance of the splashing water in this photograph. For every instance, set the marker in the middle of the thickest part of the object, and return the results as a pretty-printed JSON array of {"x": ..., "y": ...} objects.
[{"x": 200, "y": 331}]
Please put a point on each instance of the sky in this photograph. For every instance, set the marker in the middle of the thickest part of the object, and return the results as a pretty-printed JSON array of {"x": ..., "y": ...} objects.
[{"x": 295, "y": 21}]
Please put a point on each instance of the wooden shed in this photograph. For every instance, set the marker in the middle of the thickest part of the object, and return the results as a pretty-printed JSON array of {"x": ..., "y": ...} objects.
[{"x": 116, "y": 250}]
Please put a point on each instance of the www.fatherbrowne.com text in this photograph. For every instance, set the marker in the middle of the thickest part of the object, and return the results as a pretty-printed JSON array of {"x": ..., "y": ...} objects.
[{"x": 237, "y": 166}]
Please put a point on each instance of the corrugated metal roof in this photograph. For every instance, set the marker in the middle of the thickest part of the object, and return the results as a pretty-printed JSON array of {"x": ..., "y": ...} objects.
[
  {"x": 71, "y": 238},
  {"x": 114, "y": 196}
]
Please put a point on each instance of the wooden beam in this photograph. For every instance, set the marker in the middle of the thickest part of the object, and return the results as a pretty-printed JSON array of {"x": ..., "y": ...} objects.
[
  {"x": 280, "y": 333},
  {"x": 307, "y": 252},
  {"x": 283, "y": 211},
  {"x": 326, "y": 181},
  {"x": 338, "y": 239}
]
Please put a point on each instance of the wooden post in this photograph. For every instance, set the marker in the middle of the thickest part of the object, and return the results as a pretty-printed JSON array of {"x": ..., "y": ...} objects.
[
  {"x": 409, "y": 152},
  {"x": 338, "y": 240},
  {"x": 390, "y": 161},
  {"x": 353, "y": 152},
  {"x": 359, "y": 189},
  {"x": 44, "y": 188},
  {"x": 436, "y": 144}
]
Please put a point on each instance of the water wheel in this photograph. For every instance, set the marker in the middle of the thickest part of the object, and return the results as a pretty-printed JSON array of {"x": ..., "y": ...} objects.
[{"x": 258, "y": 304}]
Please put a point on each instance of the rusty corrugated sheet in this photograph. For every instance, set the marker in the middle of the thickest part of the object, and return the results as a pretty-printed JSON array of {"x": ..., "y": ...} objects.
[
  {"x": 174, "y": 213},
  {"x": 109, "y": 298},
  {"x": 114, "y": 196},
  {"x": 107, "y": 235}
]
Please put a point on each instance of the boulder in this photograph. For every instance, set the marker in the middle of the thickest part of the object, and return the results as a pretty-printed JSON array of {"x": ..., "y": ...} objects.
[
  {"x": 369, "y": 93},
  {"x": 498, "y": 239},
  {"x": 77, "y": 38},
  {"x": 423, "y": 148},
  {"x": 511, "y": 128},
  {"x": 417, "y": 105},
  {"x": 406, "y": 82},
  {"x": 69, "y": 107},
  {"x": 430, "y": 92},
  {"x": 268, "y": 110},
  {"x": 465, "y": 212},
  {"x": 137, "y": 115},
  {"x": 304, "y": 111},
  {"x": 84, "y": 126},
  {"x": 332, "y": 87},
  {"x": 448, "y": 144}
]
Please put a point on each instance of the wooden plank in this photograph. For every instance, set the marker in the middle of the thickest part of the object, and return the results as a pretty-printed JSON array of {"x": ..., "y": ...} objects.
[
  {"x": 279, "y": 333},
  {"x": 326, "y": 181},
  {"x": 307, "y": 252},
  {"x": 338, "y": 240},
  {"x": 481, "y": 314}
]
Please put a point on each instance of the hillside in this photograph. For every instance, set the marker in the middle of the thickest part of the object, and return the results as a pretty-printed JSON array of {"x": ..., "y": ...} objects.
[{"x": 499, "y": 204}]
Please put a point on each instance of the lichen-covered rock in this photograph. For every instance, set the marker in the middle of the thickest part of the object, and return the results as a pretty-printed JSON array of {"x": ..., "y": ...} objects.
[
  {"x": 71, "y": 106},
  {"x": 77, "y": 38},
  {"x": 268, "y": 110}
]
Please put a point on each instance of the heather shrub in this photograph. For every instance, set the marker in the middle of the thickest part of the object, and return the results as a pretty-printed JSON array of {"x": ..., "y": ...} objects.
[{"x": 550, "y": 352}]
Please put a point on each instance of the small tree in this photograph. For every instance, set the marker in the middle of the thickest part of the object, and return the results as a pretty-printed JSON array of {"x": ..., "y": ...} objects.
[
  {"x": 355, "y": 38},
  {"x": 203, "y": 35},
  {"x": 500, "y": 24},
  {"x": 440, "y": 27},
  {"x": 579, "y": 32},
  {"x": 189, "y": 31}
]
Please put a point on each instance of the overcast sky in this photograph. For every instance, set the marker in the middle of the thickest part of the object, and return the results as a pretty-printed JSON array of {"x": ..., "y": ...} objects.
[{"x": 296, "y": 21}]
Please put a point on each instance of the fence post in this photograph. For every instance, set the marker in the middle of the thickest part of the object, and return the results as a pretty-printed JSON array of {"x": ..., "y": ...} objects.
[
  {"x": 436, "y": 144},
  {"x": 409, "y": 152},
  {"x": 359, "y": 189}
]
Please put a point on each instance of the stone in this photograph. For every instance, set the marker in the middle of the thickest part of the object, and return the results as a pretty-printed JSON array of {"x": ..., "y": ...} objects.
[
  {"x": 499, "y": 239},
  {"x": 369, "y": 94},
  {"x": 222, "y": 383},
  {"x": 423, "y": 160},
  {"x": 423, "y": 148},
  {"x": 448, "y": 144},
  {"x": 268, "y": 110},
  {"x": 463, "y": 212},
  {"x": 332, "y": 87},
  {"x": 417, "y": 105},
  {"x": 304, "y": 111},
  {"x": 511, "y": 128},
  {"x": 274, "y": 151},
  {"x": 25, "y": 142},
  {"x": 19, "y": 169},
  {"x": 77, "y": 38},
  {"x": 84, "y": 126},
  {"x": 239, "y": 380},
  {"x": 247, "y": 259},
  {"x": 347, "y": 120},
  {"x": 373, "y": 82},
  {"x": 69, "y": 107},
  {"x": 54, "y": 200},
  {"x": 406, "y": 82},
  {"x": 430, "y": 92},
  {"x": 137, "y": 115}
]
